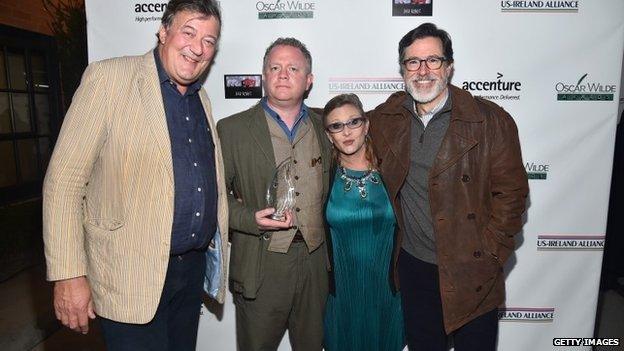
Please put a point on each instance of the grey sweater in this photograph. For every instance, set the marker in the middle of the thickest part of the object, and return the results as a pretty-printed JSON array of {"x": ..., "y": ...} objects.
[{"x": 419, "y": 238}]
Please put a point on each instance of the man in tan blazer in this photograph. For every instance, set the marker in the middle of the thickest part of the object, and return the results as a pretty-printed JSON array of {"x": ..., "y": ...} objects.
[{"x": 135, "y": 191}]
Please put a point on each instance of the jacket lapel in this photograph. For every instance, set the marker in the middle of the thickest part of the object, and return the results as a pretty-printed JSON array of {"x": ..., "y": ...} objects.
[
  {"x": 215, "y": 138},
  {"x": 259, "y": 130},
  {"x": 325, "y": 147},
  {"x": 396, "y": 133},
  {"x": 453, "y": 147},
  {"x": 205, "y": 101},
  {"x": 457, "y": 140},
  {"x": 151, "y": 98}
]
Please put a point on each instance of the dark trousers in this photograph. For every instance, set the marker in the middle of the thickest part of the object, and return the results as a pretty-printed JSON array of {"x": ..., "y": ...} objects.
[
  {"x": 422, "y": 312},
  {"x": 174, "y": 326}
]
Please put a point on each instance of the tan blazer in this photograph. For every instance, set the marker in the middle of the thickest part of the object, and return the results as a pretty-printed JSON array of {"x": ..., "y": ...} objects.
[{"x": 108, "y": 193}]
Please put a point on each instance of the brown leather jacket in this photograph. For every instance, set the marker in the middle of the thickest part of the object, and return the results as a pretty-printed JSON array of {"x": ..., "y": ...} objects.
[{"x": 477, "y": 193}]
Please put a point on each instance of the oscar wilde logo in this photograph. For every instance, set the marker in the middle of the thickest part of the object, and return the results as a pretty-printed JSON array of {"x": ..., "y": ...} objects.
[
  {"x": 584, "y": 90},
  {"x": 536, "y": 170},
  {"x": 526, "y": 314},
  {"x": 497, "y": 89},
  {"x": 539, "y": 6},
  {"x": 285, "y": 9},
  {"x": 365, "y": 85},
  {"x": 573, "y": 242}
]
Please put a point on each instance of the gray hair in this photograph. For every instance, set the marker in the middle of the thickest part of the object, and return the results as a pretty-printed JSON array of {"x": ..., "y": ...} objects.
[{"x": 208, "y": 8}]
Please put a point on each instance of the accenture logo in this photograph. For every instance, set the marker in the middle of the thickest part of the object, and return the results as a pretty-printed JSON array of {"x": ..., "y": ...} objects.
[
  {"x": 584, "y": 90},
  {"x": 540, "y": 6},
  {"x": 526, "y": 314},
  {"x": 280, "y": 9},
  {"x": 549, "y": 242},
  {"x": 365, "y": 85},
  {"x": 494, "y": 90},
  {"x": 149, "y": 12},
  {"x": 150, "y": 7}
]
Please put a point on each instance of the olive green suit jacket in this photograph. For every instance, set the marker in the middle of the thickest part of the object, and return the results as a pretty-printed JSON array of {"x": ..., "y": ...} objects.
[{"x": 249, "y": 164}]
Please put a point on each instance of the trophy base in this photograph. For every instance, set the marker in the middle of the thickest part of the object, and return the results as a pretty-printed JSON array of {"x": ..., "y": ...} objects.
[{"x": 278, "y": 217}]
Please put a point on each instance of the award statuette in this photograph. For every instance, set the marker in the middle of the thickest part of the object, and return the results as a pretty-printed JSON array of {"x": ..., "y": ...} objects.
[{"x": 281, "y": 191}]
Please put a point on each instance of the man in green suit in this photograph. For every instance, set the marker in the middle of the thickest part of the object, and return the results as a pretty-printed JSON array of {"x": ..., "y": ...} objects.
[{"x": 278, "y": 268}]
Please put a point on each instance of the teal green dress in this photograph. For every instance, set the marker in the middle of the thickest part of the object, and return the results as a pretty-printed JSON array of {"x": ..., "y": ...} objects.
[{"x": 363, "y": 314}]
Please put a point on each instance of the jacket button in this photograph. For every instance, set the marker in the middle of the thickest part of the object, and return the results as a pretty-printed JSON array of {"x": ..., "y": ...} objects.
[
  {"x": 295, "y": 161},
  {"x": 478, "y": 288},
  {"x": 295, "y": 227},
  {"x": 296, "y": 193},
  {"x": 296, "y": 177},
  {"x": 477, "y": 254},
  {"x": 471, "y": 216},
  {"x": 266, "y": 236},
  {"x": 298, "y": 209},
  {"x": 465, "y": 178}
]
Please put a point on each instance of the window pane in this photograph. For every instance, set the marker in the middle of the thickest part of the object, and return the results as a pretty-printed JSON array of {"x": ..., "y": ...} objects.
[
  {"x": 5, "y": 114},
  {"x": 44, "y": 149},
  {"x": 3, "y": 81},
  {"x": 8, "y": 175},
  {"x": 27, "y": 151},
  {"x": 17, "y": 70},
  {"x": 39, "y": 72},
  {"x": 43, "y": 113},
  {"x": 21, "y": 113}
]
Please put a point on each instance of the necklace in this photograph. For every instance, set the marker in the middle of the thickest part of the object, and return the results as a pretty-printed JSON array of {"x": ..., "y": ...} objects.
[{"x": 360, "y": 182}]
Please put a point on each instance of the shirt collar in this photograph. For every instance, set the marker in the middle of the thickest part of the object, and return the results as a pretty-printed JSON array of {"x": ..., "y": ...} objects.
[
  {"x": 442, "y": 106},
  {"x": 437, "y": 108},
  {"x": 303, "y": 112},
  {"x": 163, "y": 77}
]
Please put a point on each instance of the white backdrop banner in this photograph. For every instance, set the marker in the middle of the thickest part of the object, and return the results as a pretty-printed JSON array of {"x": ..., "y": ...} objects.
[{"x": 555, "y": 66}]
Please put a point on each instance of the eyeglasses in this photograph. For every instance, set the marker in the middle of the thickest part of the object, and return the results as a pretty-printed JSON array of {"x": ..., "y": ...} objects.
[
  {"x": 353, "y": 123},
  {"x": 433, "y": 62}
]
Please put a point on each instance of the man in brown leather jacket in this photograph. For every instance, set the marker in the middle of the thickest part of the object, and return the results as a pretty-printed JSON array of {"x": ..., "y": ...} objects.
[{"x": 454, "y": 173}]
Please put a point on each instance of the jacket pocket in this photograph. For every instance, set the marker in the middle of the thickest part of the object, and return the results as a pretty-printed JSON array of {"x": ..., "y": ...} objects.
[
  {"x": 109, "y": 224},
  {"x": 498, "y": 252},
  {"x": 102, "y": 242},
  {"x": 246, "y": 263}
]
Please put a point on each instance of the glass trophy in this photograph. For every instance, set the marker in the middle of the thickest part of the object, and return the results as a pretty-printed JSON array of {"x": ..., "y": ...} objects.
[{"x": 281, "y": 191}]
